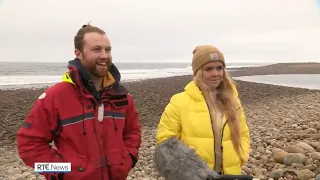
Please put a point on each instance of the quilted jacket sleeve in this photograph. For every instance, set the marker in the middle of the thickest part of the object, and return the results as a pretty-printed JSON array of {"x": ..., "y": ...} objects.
[{"x": 169, "y": 125}]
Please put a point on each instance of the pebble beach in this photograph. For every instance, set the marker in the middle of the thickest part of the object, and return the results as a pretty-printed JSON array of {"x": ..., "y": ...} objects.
[{"x": 284, "y": 124}]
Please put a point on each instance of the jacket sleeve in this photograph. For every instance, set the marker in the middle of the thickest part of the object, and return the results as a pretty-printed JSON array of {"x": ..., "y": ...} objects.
[
  {"x": 176, "y": 161},
  {"x": 169, "y": 124},
  {"x": 245, "y": 135},
  {"x": 132, "y": 130},
  {"x": 36, "y": 133}
]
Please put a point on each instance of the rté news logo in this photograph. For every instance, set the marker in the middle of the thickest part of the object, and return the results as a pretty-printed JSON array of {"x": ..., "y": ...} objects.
[{"x": 43, "y": 167}]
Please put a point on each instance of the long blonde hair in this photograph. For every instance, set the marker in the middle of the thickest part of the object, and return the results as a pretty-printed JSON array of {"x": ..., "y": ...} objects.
[{"x": 224, "y": 101}]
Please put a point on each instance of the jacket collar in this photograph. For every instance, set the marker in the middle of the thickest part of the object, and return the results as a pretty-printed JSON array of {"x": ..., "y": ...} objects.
[
  {"x": 84, "y": 75},
  {"x": 77, "y": 75},
  {"x": 194, "y": 92}
]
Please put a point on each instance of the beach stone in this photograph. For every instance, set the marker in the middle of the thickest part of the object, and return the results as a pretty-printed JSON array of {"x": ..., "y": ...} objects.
[
  {"x": 247, "y": 170},
  {"x": 19, "y": 177},
  {"x": 295, "y": 149},
  {"x": 289, "y": 176},
  {"x": 2, "y": 150},
  {"x": 315, "y": 144},
  {"x": 305, "y": 174},
  {"x": 315, "y": 155},
  {"x": 261, "y": 149},
  {"x": 262, "y": 177},
  {"x": 310, "y": 131},
  {"x": 257, "y": 156},
  {"x": 318, "y": 177},
  {"x": 258, "y": 171},
  {"x": 309, "y": 161},
  {"x": 278, "y": 155},
  {"x": 291, "y": 158},
  {"x": 317, "y": 171},
  {"x": 277, "y": 173},
  {"x": 32, "y": 178},
  {"x": 297, "y": 165},
  {"x": 306, "y": 147},
  {"x": 13, "y": 171},
  {"x": 311, "y": 167},
  {"x": 316, "y": 137}
]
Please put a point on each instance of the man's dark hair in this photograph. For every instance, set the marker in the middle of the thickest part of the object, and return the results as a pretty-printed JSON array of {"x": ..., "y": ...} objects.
[{"x": 86, "y": 28}]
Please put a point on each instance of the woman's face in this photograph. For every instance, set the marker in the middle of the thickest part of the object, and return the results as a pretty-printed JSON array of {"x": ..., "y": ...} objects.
[{"x": 212, "y": 74}]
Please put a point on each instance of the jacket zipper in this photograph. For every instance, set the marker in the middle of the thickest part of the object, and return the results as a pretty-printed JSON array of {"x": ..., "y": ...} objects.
[
  {"x": 101, "y": 153},
  {"x": 224, "y": 125},
  {"x": 96, "y": 108},
  {"x": 214, "y": 152}
]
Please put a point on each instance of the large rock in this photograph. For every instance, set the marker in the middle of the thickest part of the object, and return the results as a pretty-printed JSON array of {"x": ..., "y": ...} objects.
[
  {"x": 295, "y": 149},
  {"x": 278, "y": 155},
  {"x": 305, "y": 174},
  {"x": 291, "y": 158},
  {"x": 306, "y": 147}
]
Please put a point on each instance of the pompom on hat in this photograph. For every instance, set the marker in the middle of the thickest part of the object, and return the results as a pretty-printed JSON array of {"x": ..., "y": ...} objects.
[{"x": 204, "y": 54}]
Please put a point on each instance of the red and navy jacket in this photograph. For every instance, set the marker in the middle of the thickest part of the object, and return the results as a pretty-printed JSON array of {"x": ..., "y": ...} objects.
[{"x": 100, "y": 144}]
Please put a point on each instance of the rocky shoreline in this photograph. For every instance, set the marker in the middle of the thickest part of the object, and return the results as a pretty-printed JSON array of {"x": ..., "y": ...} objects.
[{"x": 284, "y": 123}]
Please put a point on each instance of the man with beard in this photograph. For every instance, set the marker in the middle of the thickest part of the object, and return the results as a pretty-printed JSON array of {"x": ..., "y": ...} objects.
[{"x": 91, "y": 118}]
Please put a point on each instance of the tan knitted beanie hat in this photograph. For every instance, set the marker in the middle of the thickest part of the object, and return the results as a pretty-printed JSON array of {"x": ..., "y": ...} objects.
[{"x": 203, "y": 54}]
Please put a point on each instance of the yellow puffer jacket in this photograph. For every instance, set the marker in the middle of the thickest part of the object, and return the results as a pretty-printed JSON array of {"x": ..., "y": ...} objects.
[{"x": 188, "y": 118}]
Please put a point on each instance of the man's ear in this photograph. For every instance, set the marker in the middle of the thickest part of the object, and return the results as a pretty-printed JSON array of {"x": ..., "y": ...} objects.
[{"x": 78, "y": 53}]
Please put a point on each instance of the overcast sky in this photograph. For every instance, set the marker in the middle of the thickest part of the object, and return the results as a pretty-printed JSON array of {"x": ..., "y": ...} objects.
[{"x": 166, "y": 30}]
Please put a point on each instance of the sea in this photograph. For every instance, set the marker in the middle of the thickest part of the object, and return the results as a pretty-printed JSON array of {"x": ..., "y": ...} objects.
[
  {"x": 306, "y": 81},
  {"x": 30, "y": 74}
]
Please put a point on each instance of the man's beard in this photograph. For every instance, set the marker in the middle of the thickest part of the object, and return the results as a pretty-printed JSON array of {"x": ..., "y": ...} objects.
[{"x": 93, "y": 69}]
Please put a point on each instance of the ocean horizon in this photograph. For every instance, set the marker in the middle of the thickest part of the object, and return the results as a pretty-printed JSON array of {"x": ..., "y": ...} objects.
[
  {"x": 27, "y": 73},
  {"x": 15, "y": 75}
]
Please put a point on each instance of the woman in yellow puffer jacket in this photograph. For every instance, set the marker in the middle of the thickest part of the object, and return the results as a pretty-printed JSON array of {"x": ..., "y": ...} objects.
[{"x": 203, "y": 132}]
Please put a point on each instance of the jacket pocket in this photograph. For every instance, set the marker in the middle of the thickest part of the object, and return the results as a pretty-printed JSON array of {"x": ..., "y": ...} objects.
[
  {"x": 84, "y": 168},
  {"x": 119, "y": 164}
]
